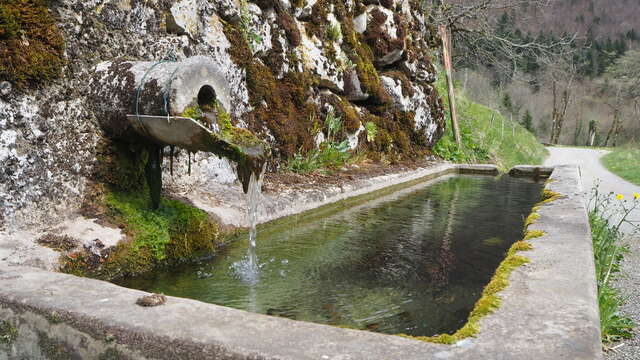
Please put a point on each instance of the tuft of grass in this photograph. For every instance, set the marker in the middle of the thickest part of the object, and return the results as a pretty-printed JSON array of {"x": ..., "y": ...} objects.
[
  {"x": 533, "y": 234},
  {"x": 549, "y": 196},
  {"x": 624, "y": 163},
  {"x": 487, "y": 136},
  {"x": 606, "y": 219},
  {"x": 333, "y": 33}
]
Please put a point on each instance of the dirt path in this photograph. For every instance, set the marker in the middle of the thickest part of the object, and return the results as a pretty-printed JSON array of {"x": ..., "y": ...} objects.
[{"x": 593, "y": 171}]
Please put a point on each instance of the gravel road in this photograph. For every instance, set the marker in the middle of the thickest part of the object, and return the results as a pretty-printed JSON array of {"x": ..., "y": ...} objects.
[{"x": 593, "y": 171}]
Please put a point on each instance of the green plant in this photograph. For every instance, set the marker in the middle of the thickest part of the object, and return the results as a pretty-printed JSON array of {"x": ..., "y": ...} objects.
[
  {"x": 333, "y": 124},
  {"x": 250, "y": 36},
  {"x": 608, "y": 216},
  {"x": 347, "y": 65},
  {"x": 8, "y": 333},
  {"x": 372, "y": 131},
  {"x": 333, "y": 33},
  {"x": 330, "y": 153},
  {"x": 527, "y": 121}
]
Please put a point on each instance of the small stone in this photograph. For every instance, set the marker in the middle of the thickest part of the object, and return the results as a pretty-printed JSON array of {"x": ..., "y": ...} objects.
[
  {"x": 152, "y": 300},
  {"x": 5, "y": 88}
]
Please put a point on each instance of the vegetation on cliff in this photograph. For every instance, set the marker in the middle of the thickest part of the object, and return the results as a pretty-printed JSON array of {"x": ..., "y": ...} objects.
[{"x": 285, "y": 104}]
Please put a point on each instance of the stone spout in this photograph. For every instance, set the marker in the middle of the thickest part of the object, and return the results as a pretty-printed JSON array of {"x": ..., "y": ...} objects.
[{"x": 167, "y": 103}]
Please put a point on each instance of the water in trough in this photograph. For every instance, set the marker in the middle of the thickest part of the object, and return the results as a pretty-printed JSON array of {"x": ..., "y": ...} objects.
[{"x": 413, "y": 262}]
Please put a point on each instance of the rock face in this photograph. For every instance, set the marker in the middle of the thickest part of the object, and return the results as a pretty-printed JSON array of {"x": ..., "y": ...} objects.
[{"x": 284, "y": 66}]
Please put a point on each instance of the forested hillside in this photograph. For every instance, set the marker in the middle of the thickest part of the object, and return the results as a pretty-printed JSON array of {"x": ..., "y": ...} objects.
[{"x": 558, "y": 66}]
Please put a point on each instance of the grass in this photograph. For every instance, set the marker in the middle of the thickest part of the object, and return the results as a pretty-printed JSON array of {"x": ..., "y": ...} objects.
[
  {"x": 487, "y": 136},
  {"x": 624, "y": 162},
  {"x": 608, "y": 215}
]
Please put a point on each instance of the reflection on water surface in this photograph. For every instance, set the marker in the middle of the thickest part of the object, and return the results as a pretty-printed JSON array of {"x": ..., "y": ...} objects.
[{"x": 412, "y": 262}]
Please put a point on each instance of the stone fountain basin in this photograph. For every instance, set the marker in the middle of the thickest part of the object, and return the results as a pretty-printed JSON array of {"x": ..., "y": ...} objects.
[{"x": 549, "y": 310}]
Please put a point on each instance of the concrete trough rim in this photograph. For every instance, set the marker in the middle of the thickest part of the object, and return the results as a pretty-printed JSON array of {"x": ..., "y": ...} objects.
[{"x": 166, "y": 332}]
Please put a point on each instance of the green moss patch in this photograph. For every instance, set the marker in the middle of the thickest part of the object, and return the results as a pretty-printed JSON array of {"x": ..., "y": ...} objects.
[
  {"x": 54, "y": 349},
  {"x": 549, "y": 196},
  {"x": 533, "y": 234},
  {"x": 174, "y": 233},
  {"x": 121, "y": 165},
  {"x": 532, "y": 218},
  {"x": 279, "y": 104},
  {"x": 31, "y": 45},
  {"x": 8, "y": 333}
]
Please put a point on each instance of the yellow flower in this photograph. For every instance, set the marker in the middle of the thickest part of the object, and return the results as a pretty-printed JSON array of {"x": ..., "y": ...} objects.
[
  {"x": 636, "y": 196},
  {"x": 619, "y": 197}
]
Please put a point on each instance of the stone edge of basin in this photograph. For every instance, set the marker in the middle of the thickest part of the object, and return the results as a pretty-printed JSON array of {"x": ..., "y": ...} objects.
[
  {"x": 549, "y": 311},
  {"x": 296, "y": 202}
]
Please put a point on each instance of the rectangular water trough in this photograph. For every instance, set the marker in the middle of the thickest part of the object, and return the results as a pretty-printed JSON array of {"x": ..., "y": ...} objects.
[{"x": 548, "y": 311}]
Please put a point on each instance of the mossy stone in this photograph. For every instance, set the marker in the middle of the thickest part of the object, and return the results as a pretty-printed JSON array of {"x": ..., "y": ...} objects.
[{"x": 31, "y": 46}]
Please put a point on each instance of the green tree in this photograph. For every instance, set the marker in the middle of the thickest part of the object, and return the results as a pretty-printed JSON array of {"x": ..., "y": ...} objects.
[{"x": 527, "y": 121}]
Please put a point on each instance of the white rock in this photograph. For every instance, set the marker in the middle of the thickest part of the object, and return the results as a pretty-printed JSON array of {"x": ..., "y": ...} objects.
[{"x": 360, "y": 23}]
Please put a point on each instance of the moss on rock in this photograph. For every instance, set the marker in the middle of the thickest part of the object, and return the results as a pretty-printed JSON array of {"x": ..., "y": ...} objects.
[
  {"x": 31, "y": 45},
  {"x": 8, "y": 333},
  {"x": 280, "y": 105},
  {"x": 121, "y": 164},
  {"x": 173, "y": 234},
  {"x": 54, "y": 349}
]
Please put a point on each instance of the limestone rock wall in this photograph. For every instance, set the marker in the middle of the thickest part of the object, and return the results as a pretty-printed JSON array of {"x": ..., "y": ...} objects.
[{"x": 287, "y": 63}]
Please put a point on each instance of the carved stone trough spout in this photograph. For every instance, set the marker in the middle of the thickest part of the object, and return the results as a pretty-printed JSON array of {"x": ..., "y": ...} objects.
[{"x": 167, "y": 103}]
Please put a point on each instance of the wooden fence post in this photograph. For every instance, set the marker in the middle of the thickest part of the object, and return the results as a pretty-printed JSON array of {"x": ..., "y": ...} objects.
[{"x": 448, "y": 69}]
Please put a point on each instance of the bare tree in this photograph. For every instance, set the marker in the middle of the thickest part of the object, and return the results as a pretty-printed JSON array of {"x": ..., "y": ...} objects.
[
  {"x": 622, "y": 84},
  {"x": 593, "y": 130},
  {"x": 616, "y": 125},
  {"x": 562, "y": 74},
  {"x": 474, "y": 28}
]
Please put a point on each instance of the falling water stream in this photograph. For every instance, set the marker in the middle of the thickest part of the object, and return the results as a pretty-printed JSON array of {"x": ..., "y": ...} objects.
[{"x": 248, "y": 268}]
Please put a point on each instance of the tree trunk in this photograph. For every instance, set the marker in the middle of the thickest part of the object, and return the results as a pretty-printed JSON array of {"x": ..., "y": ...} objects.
[
  {"x": 566, "y": 99},
  {"x": 613, "y": 130},
  {"x": 554, "y": 115},
  {"x": 448, "y": 67}
]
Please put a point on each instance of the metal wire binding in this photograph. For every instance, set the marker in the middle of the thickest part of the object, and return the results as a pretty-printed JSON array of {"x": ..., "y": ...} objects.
[{"x": 169, "y": 57}]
